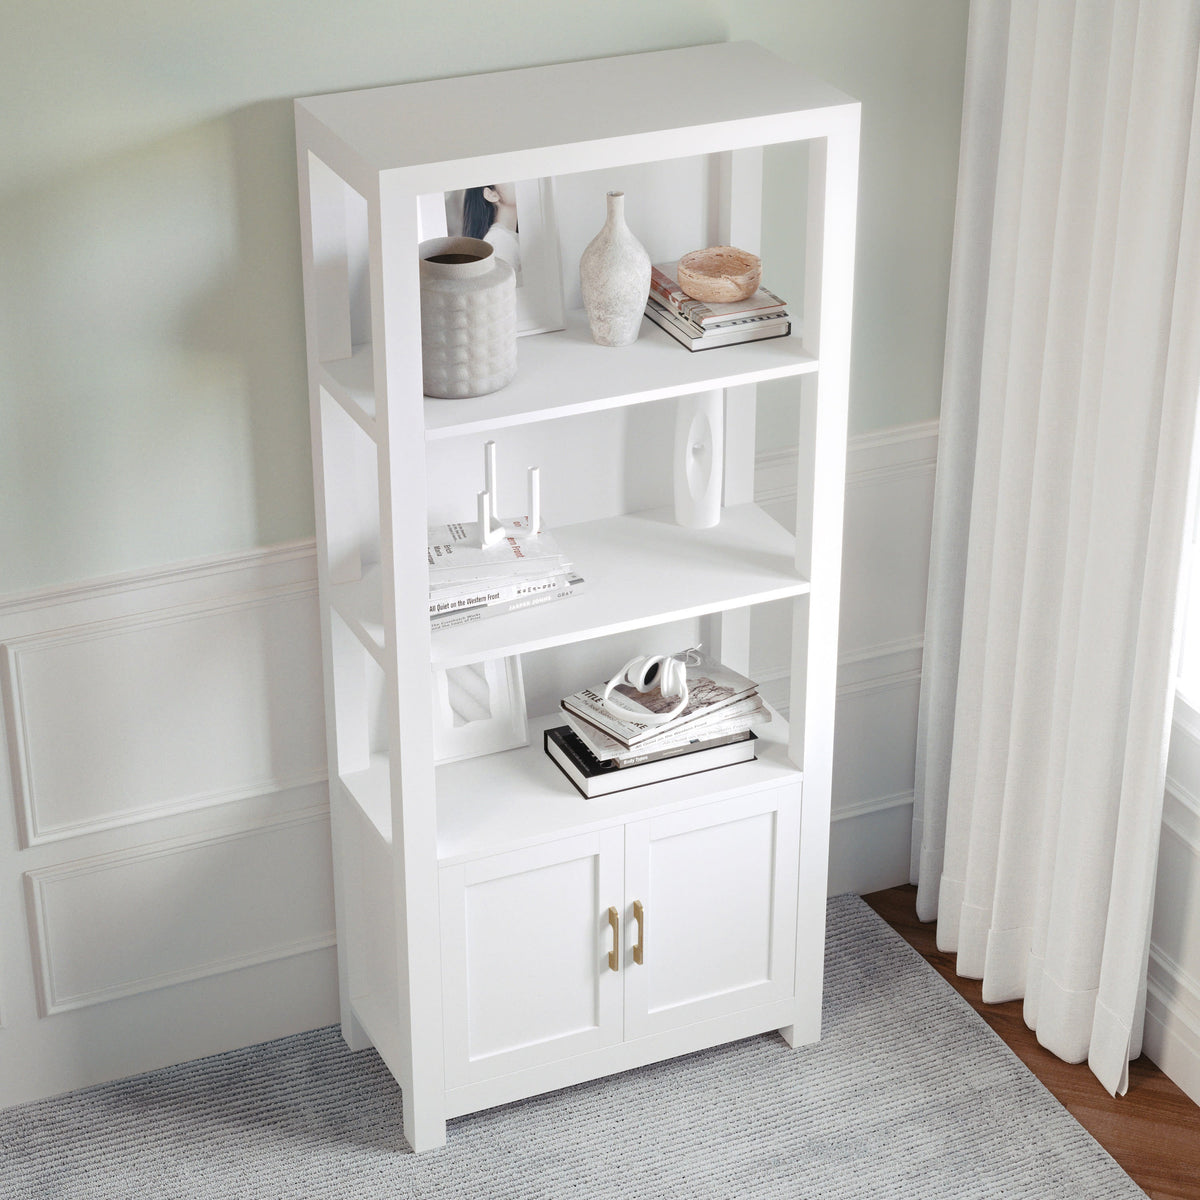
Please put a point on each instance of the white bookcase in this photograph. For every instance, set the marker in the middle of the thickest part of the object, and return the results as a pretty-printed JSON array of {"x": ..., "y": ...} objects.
[{"x": 498, "y": 934}]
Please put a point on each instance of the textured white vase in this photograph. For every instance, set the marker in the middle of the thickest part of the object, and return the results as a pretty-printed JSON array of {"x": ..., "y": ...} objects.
[
  {"x": 614, "y": 273},
  {"x": 468, "y": 318}
]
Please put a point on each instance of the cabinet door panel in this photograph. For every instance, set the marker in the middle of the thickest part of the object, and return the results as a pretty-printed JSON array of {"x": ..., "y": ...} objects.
[
  {"x": 525, "y": 942},
  {"x": 717, "y": 887}
]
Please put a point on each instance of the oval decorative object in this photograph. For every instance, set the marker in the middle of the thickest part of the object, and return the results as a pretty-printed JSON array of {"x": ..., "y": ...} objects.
[
  {"x": 468, "y": 318},
  {"x": 699, "y": 451}
]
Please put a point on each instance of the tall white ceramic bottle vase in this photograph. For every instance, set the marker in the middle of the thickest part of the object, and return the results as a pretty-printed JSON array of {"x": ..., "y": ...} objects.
[{"x": 614, "y": 273}]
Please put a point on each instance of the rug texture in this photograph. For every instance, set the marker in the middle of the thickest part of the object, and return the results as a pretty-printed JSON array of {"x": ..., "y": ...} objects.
[{"x": 908, "y": 1094}]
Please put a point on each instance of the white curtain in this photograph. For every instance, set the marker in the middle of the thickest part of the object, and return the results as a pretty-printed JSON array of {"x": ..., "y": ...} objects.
[{"x": 1064, "y": 466}]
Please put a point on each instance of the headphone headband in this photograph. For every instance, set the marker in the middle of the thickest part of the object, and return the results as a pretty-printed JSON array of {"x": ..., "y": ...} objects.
[{"x": 667, "y": 672}]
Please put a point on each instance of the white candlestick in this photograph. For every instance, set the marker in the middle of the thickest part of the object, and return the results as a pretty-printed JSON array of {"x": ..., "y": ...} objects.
[
  {"x": 489, "y": 480},
  {"x": 489, "y": 530},
  {"x": 535, "y": 501}
]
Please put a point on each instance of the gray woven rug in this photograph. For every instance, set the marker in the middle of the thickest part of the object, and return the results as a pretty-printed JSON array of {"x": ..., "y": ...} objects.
[{"x": 908, "y": 1094}]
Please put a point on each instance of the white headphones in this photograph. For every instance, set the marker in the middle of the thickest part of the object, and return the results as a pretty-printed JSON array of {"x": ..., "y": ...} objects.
[{"x": 663, "y": 671}]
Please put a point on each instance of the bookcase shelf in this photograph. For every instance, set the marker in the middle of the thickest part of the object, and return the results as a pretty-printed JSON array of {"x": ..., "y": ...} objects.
[
  {"x": 437, "y": 864},
  {"x": 639, "y": 569},
  {"x": 565, "y": 373},
  {"x": 515, "y": 798}
]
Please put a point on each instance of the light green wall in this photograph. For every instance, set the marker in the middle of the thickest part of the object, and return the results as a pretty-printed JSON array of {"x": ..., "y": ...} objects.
[{"x": 152, "y": 395}]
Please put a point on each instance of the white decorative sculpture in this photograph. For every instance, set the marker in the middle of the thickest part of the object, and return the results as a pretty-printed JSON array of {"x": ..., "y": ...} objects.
[
  {"x": 491, "y": 527},
  {"x": 699, "y": 450}
]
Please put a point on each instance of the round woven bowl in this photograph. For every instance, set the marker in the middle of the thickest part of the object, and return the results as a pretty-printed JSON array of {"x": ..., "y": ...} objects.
[{"x": 720, "y": 274}]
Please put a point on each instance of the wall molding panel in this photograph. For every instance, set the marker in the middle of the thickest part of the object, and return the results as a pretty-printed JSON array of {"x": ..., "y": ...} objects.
[
  {"x": 134, "y": 717},
  {"x": 114, "y": 926},
  {"x": 164, "y": 837}
]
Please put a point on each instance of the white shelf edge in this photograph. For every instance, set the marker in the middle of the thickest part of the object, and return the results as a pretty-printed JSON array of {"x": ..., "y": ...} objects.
[
  {"x": 370, "y": 790},
  {"x": 351, "y": 382},
  {"x": 359, "y": 603},
  {"x": 447, "y": 658}
]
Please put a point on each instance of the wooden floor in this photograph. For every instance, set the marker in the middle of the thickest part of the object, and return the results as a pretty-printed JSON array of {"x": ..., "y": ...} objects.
[{"x": 1153, "y": 1131}]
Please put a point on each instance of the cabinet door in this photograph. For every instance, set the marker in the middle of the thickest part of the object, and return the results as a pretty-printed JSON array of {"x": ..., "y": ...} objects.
[
  {"x": 526, "y": 940},
  {"x": 716, "y": 887}
]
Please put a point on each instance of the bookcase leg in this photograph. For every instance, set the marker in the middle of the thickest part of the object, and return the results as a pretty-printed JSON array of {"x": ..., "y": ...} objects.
[
  {"x": 801, "y": 1033},
  {"x": 424, "y": 1124},
  {"x": 353, "y": 1034}
]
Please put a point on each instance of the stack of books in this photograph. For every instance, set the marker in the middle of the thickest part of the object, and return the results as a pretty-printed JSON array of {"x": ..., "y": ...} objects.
[
  {"x": 468, "y": 581},
  {"x": 601, "y": 752},
  {"x": 700, "y": 326}
]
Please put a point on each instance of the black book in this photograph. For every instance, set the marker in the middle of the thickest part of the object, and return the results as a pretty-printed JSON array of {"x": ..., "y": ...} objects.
[{"x": 595, "y": 777}]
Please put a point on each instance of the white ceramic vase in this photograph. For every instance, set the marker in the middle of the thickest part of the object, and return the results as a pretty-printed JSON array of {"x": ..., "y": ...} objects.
[
  {"x": 614, "y": 273},
  {"x": 468, "y": 318}
]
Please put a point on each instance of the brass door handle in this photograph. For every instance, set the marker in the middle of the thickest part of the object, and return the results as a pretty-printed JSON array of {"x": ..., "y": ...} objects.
[
  {"x": 614, "y": 956},
  {"x": 639, "y": 915}
]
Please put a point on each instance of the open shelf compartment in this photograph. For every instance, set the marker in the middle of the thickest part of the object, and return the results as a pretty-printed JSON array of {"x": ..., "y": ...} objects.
[
  {"x": 519, "y": 797},
  {"x": 639, "y": 569}
]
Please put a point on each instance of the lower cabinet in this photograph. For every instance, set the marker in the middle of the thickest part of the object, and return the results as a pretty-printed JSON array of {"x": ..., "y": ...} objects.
[{"x": 605, "y": 937}]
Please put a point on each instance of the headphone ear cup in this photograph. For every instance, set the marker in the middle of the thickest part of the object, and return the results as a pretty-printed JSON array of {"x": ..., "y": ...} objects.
[
  {"x": 645, "y": 673},
  {"x": 672, "y": 678}
]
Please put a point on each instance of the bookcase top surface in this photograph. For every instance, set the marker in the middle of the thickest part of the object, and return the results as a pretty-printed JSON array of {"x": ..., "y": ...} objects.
[{"x": 476, "y": 117}]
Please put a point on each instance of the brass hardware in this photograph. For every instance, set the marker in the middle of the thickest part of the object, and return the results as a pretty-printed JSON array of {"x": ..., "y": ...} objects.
[
  {"x": 614, "y": 957},
  {"x": 639, "y": 915}
]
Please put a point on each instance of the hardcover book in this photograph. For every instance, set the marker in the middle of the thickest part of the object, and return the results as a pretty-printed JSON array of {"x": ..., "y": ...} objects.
[
  {"x": 731, "y": 722},
  {"x": 593, "y": 778},
  {"x": 664, "y": 287},
  {"x": 730, "y": 333}
]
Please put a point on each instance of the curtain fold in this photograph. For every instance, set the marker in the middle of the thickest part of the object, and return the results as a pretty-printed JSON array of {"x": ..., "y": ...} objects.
[{"x": 1064, "y": 467}]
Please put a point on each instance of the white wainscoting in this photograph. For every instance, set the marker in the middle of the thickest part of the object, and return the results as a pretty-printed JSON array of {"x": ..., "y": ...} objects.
[
  {"x": 164, "y": 820},
  {"x": 1172, "y": 1037},
  {"x": 190, "y": 712},
  {"x": 164, "y": 853},
  {"x": 103, "y": 928},
  {"x": 889, "y": 507}
]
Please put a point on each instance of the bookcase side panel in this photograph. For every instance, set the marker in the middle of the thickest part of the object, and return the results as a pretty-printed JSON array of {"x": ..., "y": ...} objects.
[{"x": 395, "y": 303}]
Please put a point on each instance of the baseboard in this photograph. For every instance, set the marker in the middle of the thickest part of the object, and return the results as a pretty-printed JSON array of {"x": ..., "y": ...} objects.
[{"x": 1172, "y": 1033}]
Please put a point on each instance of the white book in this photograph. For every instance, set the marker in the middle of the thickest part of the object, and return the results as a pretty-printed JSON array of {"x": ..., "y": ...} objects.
[
  {"x": 735, "y": 718},
  {"x": 711, "y": 687},
  {"x": 752, "y": 329},
  {"x": 568, "y": 587},
  {"x": 443, "y": 603}
]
